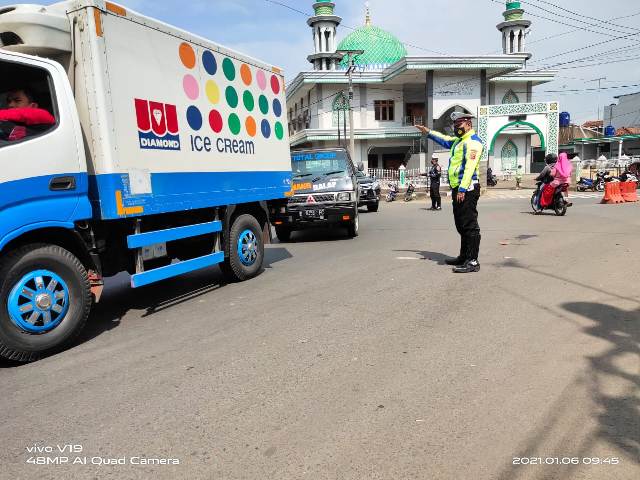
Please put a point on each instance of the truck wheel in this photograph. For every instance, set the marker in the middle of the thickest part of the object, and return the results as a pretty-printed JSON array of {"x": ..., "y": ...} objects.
[
  {"x": 373, "y": 207},
  {"x": 45, "y": 301},
  {"x": 283, "y": 233},
  {"x": 246, "y": 249},
  {"x": 354, "y": 227}
]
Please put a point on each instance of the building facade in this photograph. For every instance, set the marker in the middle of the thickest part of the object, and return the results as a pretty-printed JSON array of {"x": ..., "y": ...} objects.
[
  {"x": 624, "y": 114},
  {"x": 394, "y": 91}
]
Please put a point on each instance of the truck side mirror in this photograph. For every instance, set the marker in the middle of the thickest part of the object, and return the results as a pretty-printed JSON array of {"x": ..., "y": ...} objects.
[{"x": 360, "y": 167}]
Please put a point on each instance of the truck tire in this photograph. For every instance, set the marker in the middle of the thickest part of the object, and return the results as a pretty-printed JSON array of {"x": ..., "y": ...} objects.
[
  {"x": 45, "y": 301},
  {"x": 373, "y": 207},
  {"x": 246, "y": 250},
  {"x": 354, "y": 226},
  {"x": 283, "y": 234}
]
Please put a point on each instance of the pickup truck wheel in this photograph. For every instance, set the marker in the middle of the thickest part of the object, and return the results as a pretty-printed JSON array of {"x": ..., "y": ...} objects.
[
  {"x": 246, "y": 249},
  {"x": 354, "y": 227},
  {"x": 45, "y": 301},
  {"x": 283, "y": 234},
  {"x": 373, "y": 207}
]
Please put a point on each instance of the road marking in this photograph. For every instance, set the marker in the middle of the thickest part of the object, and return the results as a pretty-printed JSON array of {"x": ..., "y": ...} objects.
[
  {"x": 407, "y": 258},
  {"x": 520, "y": 196}
]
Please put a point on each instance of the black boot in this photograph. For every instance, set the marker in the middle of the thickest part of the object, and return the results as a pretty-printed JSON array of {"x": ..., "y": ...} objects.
[
  {"x": 460, "y": 259},
  {"x": 472, "y": 264}
]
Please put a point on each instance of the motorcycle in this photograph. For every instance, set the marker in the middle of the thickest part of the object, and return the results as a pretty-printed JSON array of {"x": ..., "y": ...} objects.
[
  {"x": 628, "y": 177},
  {"x": 597, "y": 184},
  {"x": 392, "y": 193},
  {"x": 408, "y": 195},
  {"x": 492, "y": 180},
  {"x": 559, "y": 204}
]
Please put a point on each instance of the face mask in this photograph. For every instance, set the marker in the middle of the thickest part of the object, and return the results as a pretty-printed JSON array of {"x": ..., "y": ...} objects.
[{"x": 459, "y": 132}]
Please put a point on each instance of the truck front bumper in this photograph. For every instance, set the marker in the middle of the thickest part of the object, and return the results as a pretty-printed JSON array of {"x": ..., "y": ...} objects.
[{"x": 309, "y": 216}]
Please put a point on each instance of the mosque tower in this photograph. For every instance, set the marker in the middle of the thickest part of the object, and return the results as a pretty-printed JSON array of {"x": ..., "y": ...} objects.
[
  {"x": 514, "y": 30},
  {"x": 324, "y": 24}
]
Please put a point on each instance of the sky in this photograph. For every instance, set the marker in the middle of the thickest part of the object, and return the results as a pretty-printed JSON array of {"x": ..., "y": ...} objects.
[{"x": 280, "y": 36}]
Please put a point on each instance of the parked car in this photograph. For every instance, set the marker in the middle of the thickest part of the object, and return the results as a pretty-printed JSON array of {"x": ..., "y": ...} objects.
[{"x": 369, "y": 191}]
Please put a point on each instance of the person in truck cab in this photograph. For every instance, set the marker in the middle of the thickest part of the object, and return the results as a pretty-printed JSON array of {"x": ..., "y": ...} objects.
[{"x": 22, "y": 116}]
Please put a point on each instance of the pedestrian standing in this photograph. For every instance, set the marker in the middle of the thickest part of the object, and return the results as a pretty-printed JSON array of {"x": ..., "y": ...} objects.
[
  {"x": 464, "y": 179},
  {"x": 519, "y": 177},
  {"x": 435, "y": 173}
]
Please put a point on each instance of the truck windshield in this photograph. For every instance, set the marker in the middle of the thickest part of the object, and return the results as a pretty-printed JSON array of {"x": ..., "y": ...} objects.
[{"x": 306, "y": 164}]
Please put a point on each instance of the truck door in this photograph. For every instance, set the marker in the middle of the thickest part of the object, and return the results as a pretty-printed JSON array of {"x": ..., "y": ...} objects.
[{"x": 43, "y": 175}]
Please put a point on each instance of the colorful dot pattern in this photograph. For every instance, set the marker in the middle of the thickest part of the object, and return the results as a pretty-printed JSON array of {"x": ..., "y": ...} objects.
[{"x": 220, "y": 79}]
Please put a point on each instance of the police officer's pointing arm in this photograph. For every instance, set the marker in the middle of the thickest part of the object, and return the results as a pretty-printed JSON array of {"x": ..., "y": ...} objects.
[{"x": 441, "y": 139}]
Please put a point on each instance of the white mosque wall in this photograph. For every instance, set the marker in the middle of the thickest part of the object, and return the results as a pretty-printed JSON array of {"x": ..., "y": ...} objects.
[
  {"x": 450, "y": 90},
  {"x": 381, "y": 92},
  {"x": 501, "y": 88}
]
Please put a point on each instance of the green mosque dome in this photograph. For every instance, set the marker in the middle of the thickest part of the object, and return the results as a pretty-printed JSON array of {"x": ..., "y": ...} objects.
[{"x": 381, "y": 48}]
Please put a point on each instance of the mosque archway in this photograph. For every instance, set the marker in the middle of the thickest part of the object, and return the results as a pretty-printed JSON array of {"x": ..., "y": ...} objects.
[{"x": 444, "y": 124}]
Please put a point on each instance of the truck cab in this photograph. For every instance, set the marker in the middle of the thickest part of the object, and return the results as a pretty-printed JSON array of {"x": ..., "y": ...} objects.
[{"x": 325, "y": 193}]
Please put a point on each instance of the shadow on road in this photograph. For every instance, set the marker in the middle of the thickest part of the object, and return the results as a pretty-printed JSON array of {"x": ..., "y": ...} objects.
[
  {"x": 312, "y": 235},
  {"x": 611, "y": 382},
  {"x": 119, "y": 298},
  {"x": 619, "y": 411},
  {"x": 436, "y": 257}
]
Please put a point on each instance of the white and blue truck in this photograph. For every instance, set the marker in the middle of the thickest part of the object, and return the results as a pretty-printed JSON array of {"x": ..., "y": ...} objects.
[{"x": 166, "y": 154}]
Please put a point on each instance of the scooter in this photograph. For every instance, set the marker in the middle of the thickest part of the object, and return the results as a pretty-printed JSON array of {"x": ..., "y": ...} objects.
[
  {"x": 408, "y": 195},
  {"x": 393, "y": 192},
  {"x": 558, "y": 204},
  {"x": 597, "y": 184},
  {"x": 492, "y": 181}
]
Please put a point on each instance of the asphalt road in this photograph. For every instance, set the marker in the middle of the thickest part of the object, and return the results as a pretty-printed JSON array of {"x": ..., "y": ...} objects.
[{"x": 360, "y": 359}]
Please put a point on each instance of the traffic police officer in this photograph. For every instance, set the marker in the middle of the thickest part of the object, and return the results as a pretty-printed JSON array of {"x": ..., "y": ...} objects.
[
  {"x": 466, "y": 151},
  {"x": 435, "y": 172}
]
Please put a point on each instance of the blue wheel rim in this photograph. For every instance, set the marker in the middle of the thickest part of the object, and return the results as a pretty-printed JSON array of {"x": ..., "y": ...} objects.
[
  {"x": 247, "y": 248},
  {"x": 38, "y": 302}
]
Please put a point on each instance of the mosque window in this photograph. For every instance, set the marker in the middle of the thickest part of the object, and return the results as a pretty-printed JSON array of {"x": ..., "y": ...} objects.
[
  {"x": 339, "y": 103},
  {"x": 384, "y": 110},
  {"x": 510, "y": 97}
]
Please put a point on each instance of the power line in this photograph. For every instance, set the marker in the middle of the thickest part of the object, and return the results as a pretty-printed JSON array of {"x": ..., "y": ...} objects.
[
  {"x": 307, "y": 14},
  {"x": 598, "y": 20},
  {"x": 564, "y": 23}
]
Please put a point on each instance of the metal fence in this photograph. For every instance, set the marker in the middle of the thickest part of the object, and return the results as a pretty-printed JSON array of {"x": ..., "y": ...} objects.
[
  {"x": 411, "y": 175},
  {"x": 614, "y": 166}
]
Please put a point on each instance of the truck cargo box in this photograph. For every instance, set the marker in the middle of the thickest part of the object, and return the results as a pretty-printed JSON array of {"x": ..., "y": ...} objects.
[{"x": 173, "y": 121}]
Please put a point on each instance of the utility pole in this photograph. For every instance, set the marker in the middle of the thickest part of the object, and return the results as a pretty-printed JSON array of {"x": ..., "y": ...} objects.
[
  {"x": 599, "y": 80},
  {"x": 351, "y": 57}
]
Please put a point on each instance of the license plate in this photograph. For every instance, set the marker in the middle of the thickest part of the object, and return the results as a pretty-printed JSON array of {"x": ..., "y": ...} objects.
[
  {"x": 154, "y": 251},
  {"x": 314, "y": 213}
]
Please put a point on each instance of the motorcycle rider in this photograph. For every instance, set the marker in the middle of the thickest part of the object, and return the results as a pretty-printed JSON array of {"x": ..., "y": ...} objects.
[{"x": 546, "y": 175}]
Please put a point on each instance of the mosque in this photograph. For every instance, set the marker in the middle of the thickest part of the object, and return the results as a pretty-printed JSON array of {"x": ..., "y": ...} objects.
[{"x": 394, "y": 91}]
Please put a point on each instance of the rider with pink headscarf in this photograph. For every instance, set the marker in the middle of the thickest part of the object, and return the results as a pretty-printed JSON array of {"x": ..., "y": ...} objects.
[{"x": 561, "y": 172}]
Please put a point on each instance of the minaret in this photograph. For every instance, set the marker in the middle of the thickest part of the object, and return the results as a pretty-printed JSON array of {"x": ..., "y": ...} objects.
[
  {"x": 324, "y": 25},
  {"x": 514, "y": 30}
]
